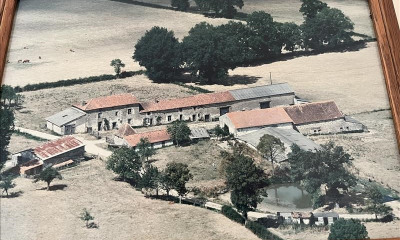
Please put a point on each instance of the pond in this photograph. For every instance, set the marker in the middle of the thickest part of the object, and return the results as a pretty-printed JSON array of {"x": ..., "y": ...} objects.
[{"x": 287, "y": 197}]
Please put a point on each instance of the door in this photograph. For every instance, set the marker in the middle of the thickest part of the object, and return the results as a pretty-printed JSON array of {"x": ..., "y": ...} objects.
[{"x": 223, "y": 111}]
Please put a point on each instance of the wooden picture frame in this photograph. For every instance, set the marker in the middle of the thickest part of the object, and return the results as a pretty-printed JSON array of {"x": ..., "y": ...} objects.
[{"x": 386, "y": 29}]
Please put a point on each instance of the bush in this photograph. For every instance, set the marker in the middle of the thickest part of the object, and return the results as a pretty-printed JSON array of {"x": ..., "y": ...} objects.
[
  {"x": 268, "y": 222},
  {"x": 231, "y": 213},
  {"x": 348, "y": 229},
  {"x": 261, "y": 231}
]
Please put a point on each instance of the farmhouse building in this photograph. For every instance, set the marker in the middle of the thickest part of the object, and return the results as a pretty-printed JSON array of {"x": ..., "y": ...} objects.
[
  {"x": 157, "y": 139},
  {"x": 49, "y": 154},
  {"x": 322, "y": 118},
  {"x": 112, "y": 112}
]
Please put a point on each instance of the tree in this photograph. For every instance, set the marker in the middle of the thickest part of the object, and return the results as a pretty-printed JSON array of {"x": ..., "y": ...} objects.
[
  {"x": 117, "y": 64},
  {"x": 245, "y": 180},
  {"x": 6, "y": 130},
  {"x": 48, "y": 175},
  {"x": 8, "y": 93},
  {"x": 177, "y": 175},
  {"x": 181, "y": 5},
  {"x": 126, "y": 163},
  {"x": 86, "y": 217},
  {"x": 159, "y": 52},
  {"x": 7, "y": 183},
  {"x": 376, "y": 204},
  {"x": 179, "y": 131},
  {"x": 151, "y": 178},
  {"x": 271, "y": 148},
  {"x": 290, "y": 36},
  {"x": 346, "y": 229},
  {"x": 265, "y": 39},
  {"x": 224, "y": 8},
  {"x": 310, "y": 8},
  {"x": 221, "y": 132},
  {"x": 326, "y": 166},
  {"x": 144, "y": 149},
  {"x": 330, "y": 28}
]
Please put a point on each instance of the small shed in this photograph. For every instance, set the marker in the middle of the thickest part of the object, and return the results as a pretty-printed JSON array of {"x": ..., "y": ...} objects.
[
  {"x": 66, "y": 122},
  {"x": 325, "y": 218},
  {"x": 158, "y": 138},
  {"x": 199, "y": 134}
]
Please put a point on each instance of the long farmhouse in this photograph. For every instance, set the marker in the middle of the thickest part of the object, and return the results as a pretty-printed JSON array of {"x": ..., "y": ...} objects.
[{"x": 111, "y": 112}]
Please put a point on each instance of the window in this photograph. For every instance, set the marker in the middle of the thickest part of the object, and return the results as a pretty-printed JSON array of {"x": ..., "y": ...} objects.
[
  {"x": 194, "y": 117},
  {"x": 130, "y": 111},
  {"x": 181, "y": 117},
  {"x": 169, "y": 118},
  {"x": 180, "y": 109},
  {"x": 264, "y": 105},
  {"x": 114, "y": 125},
  {"x": 163, "y": 143},
  {"x": 129, "y": 121},
  {"x": 116, "y": 113},
  {"x": 223, "y": 110},
  {"x": 99, "y": 115}
]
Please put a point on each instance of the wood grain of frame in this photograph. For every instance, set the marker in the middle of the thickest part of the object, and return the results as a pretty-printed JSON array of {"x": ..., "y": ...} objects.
[{"x": 386, "y": 28}]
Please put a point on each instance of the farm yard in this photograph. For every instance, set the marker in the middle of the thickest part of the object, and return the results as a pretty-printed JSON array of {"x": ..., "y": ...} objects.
[{"x": 65, "y": 40}]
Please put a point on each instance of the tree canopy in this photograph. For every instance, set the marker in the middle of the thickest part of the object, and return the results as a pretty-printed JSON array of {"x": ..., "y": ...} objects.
[
  {"x": 126, "y": 163},
  {"x": 245, "y": 180},
  {"x": 151, "y": 178},
  {"x": 328, "y": 165},
  {"x": 7, "y": 183},
  {"x": 48, "y": 175},
  {"x": 181, "y": 5},
  {"x": 177, "y": 175},
  {"x": 375, "y": 203},
  {"x": 179, "y": 131},
  {"x": 159, "y": 52},
  {"x": 271, "y": 148},
  {"x": 330, "y": 28},
  {"x": 6, "y": 130},
  {"x": 223, "y": 8},
  {"x": 346, "y": 229},
  {"x": 117, "y": 64},
  {"x": 310, "y": 8},
  {"x": 144, "y": 149}
]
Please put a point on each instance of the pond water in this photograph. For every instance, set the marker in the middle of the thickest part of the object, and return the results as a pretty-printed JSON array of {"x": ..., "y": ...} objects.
[{"x": 287, "y": 196}]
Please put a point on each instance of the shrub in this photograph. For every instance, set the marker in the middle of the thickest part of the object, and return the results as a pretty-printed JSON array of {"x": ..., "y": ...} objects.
[
  {"x": 231, "y": 213},
  {"x": 348, "y": 229},
  {"x": 268, "y": 222},
  {"x": 261, "y": 231}
]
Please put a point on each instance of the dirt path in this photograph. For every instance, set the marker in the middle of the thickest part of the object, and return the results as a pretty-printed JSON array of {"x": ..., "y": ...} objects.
[{"x": 119, "y": 210}]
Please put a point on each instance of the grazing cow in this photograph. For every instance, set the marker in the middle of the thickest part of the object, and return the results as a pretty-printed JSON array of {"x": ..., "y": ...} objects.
[
  {"x": 71, "y": 50},
  {"x": 26, "y": 61}
]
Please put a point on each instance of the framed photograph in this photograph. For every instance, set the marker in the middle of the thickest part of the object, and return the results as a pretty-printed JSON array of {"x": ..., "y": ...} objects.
[{"x": 199, "y": 119}]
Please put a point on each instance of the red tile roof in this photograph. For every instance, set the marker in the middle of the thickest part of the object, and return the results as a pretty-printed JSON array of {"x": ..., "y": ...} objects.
[
  {"x": 192, "y": 101},
  {"x": 153, "y": 137},
  {"x": 125, "y": 130},
  {"x": 109, "y": 101},
  {"x": 57, "y": 147},
  {"x": 259, "y": 117},
  {"x": 314, "y": 112}
]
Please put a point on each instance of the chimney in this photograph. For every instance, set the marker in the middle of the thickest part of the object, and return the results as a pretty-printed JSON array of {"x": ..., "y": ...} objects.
[{"x": 83, "y": 103}]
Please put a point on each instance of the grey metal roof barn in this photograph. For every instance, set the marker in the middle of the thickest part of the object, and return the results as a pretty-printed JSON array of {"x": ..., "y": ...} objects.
[
  {"x": 65, "y": 116},
  {"x": 288, "y": 136},
  {"x": 199, "y": 133},
  {"x": 261, "y": 91}
]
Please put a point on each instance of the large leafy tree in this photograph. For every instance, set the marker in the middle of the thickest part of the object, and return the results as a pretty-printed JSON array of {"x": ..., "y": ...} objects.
[
  {"x": 245, "y": 180},
  {"x": 271, "y": 148},
  {"x": 290, "y": 36},
  {"x": 117, "y": 64},
  {"x": 144, "y": 149},
  {"x": 327, "y": 166},
  {"x": 265, "y": 39},
  {"x": 346, "y": 229},
  {"x": 7, "y": 183},
  {"x": 159, "y": 52},
  {"x": 180, "y": 132},
  {"x": 177, "y": 175},
  {"x": 375, "y": 203},
  {"x": 8, "y": 94},
  {"x": 48, "y": 175},
  {"x": 330, "y": 28},
  {"x": 126, "y": 163},
  {"x": 151, "y": 178},
  {"x": 181, "y": 5},
  {"x": 209, "y": 52},
  {"x": 310, "y": 8},
  {"x": 6, "y": 130},
  {"x": 223, "y": 8}
]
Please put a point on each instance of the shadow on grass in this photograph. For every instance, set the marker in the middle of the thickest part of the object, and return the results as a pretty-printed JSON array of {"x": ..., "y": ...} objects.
[
  {"x": 13, "y": 194},
  {"x": 238, "y": 79},
  {"x": 55, "y": 187}
]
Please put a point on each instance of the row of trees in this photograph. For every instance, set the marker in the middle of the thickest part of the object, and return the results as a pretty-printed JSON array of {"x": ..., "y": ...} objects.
[
  {"x": 221, "y": 8},
  {"x": 209, "y": 52}
]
